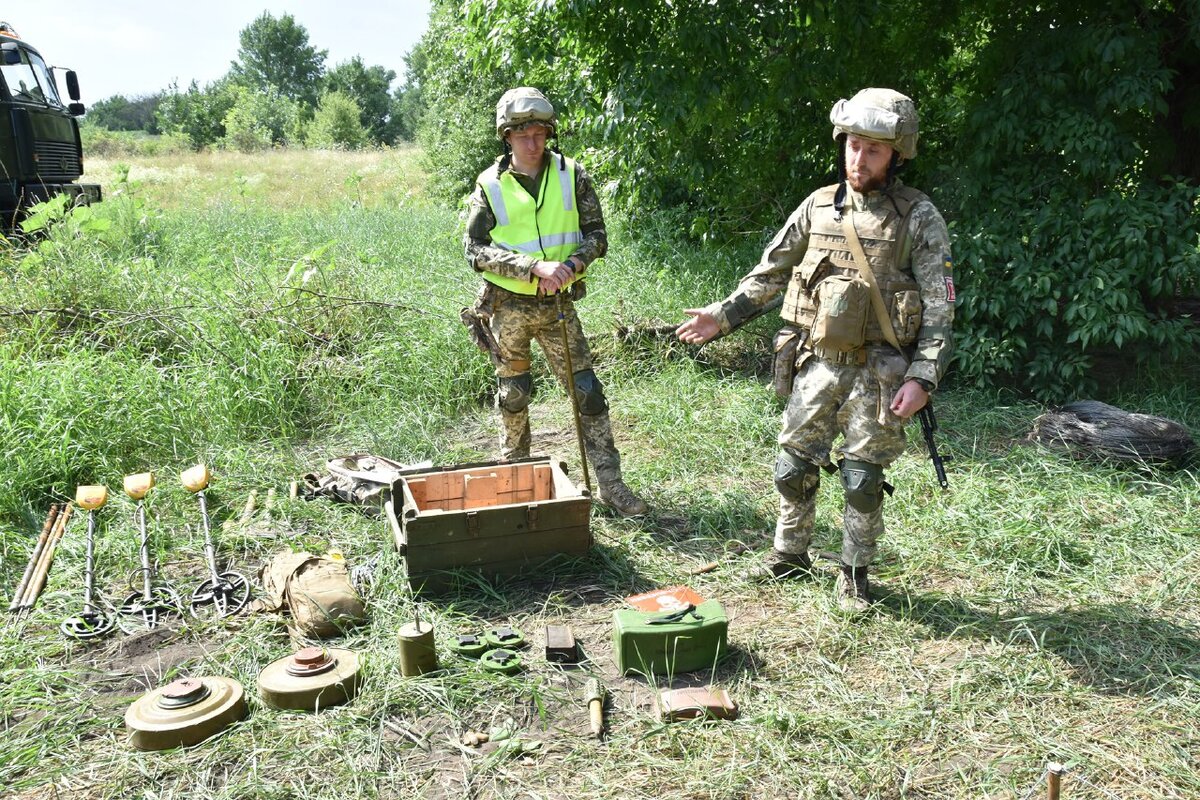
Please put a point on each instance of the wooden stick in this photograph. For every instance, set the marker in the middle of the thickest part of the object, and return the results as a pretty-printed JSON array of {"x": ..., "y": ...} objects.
[
  {"x": 38, "y": 582},
  {"x": 34, "y": 558},
  {"x": 1054, "y": 773}
]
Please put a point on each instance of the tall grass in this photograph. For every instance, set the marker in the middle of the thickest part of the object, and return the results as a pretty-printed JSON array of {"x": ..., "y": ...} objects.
[{"x": 265, "y": 313}]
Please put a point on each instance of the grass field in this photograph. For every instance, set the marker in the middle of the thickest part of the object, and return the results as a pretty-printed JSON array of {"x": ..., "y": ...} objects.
[{"x": 265, "y": 313}]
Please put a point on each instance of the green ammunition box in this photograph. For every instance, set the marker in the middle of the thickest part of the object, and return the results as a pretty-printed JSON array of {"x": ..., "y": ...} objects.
[
  {"x": 689, "y": 639},
  {"x": 493, "y": 518}
]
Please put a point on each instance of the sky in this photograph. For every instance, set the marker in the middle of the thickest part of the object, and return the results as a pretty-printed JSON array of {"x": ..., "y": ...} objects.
[{"x": 138, "y": 47}]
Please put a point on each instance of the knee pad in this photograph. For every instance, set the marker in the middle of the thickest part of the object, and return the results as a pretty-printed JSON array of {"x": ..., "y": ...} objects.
[
  {"x": 796, "y": 479},
  {"x": 515, "y": 393},
  {"x": 590, "y": 393},
  {"x": 864, "y": 484}
]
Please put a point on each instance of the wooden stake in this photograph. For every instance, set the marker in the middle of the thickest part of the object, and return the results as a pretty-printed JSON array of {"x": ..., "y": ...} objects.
[
  {"x": 38, "y": 581},
  {"x": 1054, "y": 773},
  {"x": 34, "y": 558}
]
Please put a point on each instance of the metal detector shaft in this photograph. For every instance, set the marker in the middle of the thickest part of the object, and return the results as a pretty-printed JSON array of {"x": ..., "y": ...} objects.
[
  {"x": 144, "y": 550},
  {"x": 210, "y": 552},
  {"x": 89, "y": 570},
  {"x": 562, "y": 324}
]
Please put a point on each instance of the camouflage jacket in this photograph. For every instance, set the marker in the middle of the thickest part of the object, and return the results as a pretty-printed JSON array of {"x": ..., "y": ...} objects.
[
  {"x": 928, "y": 260},
  {"x": 484, "y": 256}
]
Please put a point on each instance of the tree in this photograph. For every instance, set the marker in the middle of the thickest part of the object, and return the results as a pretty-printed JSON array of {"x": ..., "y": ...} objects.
[
  {"x": 336, "y": 124},
  {"x": 275, "y": 54},
  {"x": 118, "y": 113},
  {"x": 198, "y": 114},
  {"x": 1057, "y": 139},
  {"x": 259, "y": 120},
  {"x": 369, "y": 87}
]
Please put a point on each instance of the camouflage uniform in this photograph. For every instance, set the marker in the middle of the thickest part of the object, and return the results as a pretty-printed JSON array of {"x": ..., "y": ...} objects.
[
  {"x": 853, "y": 399},
  {"x": 517, "y": 319}
]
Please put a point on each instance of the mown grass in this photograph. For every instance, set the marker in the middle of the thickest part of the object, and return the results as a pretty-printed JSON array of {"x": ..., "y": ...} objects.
[{"x": 266, "y": 313}]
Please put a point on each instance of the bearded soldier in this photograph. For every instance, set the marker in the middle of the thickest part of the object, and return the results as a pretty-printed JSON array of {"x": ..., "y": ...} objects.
[
  {"x": 865, "y": 269},
  {"x": 533, "y": 228}
]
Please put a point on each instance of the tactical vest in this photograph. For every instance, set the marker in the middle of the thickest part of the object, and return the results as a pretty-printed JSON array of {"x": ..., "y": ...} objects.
[
  {"x": 545, "y": 227},
  {"x": 883, "y": 233}
]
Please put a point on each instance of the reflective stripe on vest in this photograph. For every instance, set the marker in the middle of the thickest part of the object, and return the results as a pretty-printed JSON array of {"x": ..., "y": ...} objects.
[{"x": 546, "y": 228}]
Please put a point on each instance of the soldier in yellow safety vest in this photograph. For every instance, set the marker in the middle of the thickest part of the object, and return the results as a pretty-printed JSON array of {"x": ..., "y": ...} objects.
[{"x": 533, "y": 228}]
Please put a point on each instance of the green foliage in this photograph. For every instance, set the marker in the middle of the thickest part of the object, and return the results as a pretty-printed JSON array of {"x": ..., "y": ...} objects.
[
  {"x": 275, "y": 54},
  {"x": 119, "y": 113},
  {"x": 1076, "y": 233},
  {"x": 1057, "y": 139},
  {"x": 369, "y": 88},
  {"x": 337, "y": 124},
  {"x": 198, "y": 114},
  {"x": 103, "y": 143},
  {"x": 260, "y": 119}
]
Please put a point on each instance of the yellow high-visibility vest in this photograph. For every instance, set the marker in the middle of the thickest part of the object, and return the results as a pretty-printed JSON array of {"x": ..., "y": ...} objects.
[{"x": 545, "y": 227}]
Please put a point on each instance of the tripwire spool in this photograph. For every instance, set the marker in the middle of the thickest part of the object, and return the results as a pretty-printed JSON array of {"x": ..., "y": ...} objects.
[
  {"x": 417, "y": 652},
  {"x": 310, "y": 679},
  {"x": 185, "y": 712}
]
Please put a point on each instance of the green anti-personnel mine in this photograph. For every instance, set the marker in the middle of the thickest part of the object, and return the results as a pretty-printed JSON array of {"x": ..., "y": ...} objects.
[
  {"x": 504, "y": 636},
  {"x": 418, "y": 654},
  {"x": 310, "y": 679},
  {"x": 185, "y": 712},
  {"x": 506, "y": 662},
  {"x": 469, "y": 645}
]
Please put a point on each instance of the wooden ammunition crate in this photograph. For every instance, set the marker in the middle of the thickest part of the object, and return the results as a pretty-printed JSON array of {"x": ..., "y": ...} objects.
[{"x": 495, "y": 518}]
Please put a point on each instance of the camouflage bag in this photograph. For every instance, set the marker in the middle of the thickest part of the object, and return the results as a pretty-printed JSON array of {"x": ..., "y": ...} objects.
[{"x": 316, "y": 591}]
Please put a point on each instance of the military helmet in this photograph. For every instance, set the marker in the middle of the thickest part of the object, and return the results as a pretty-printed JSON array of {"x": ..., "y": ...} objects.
[
  {"x": 521, "y": 106},
  {"x": 883, "y": 115}
]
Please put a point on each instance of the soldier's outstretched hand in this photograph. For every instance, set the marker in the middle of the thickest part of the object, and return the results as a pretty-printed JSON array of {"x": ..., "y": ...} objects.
[{"x": 699, "y": 329}]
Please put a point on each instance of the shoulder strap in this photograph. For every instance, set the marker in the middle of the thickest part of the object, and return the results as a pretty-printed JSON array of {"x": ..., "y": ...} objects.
[{"x": 864, "y": 267}]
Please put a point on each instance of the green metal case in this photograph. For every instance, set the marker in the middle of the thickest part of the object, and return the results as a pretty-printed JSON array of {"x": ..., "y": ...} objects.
[{"x": 689, "y": 639}]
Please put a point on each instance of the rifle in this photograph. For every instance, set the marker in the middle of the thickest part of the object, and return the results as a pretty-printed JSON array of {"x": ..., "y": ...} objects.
[{"x": 929, "y": 427}]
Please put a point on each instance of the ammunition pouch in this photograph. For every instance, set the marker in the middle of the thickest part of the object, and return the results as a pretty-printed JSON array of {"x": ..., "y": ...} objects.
[
  {"x": 843, "y": 306},
  {"x": 786, "y": 346},
  {"x": 796, "y": 479},
  {"x": 589, "y": 392},
  {"x": 515, "y": 393}
]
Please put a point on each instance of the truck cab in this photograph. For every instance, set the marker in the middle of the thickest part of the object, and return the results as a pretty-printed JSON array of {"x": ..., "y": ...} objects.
[{"x": 40, "y": 151}]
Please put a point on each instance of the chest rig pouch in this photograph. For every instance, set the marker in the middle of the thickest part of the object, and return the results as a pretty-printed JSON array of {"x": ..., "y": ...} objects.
[{"x": 843, "y": 304}]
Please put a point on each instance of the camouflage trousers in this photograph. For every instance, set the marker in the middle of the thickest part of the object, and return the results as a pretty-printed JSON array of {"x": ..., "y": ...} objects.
[
  {"x": 517, "y": 321},
  {"x": 829, "y": 399}
]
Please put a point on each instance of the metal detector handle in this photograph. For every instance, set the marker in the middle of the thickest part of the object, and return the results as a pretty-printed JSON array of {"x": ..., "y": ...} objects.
[
  {"x": 144, "y": 551},
  {"x": 570, "y": 387}
]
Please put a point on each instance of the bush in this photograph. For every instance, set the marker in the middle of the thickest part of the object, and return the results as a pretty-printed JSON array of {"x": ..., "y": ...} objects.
[
  {"x": 260, "y": 119},
  {"x": 337, "y": 124},
  {"x": 102, "y": 143}
]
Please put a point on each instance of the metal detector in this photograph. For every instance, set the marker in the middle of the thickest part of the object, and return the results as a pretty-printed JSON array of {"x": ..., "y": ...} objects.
[
  {"x": 91, "y": 622},
  {"x": 143, "y": 610},
  {"x": 225, "y": 592}
]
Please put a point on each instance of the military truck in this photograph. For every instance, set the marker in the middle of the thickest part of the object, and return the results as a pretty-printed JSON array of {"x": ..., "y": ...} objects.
[{"x": 40, "y": 152}]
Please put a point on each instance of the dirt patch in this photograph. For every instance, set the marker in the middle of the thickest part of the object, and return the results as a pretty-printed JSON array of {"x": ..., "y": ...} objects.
[{"x": 136, "y": 663}]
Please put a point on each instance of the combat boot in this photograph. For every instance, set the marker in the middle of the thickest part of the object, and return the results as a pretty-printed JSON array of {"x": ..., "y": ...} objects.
[
  {"x": 779, "y": 566},
  {"x": 853, "y": 589},
  {"x": 617, "y": 496}
]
